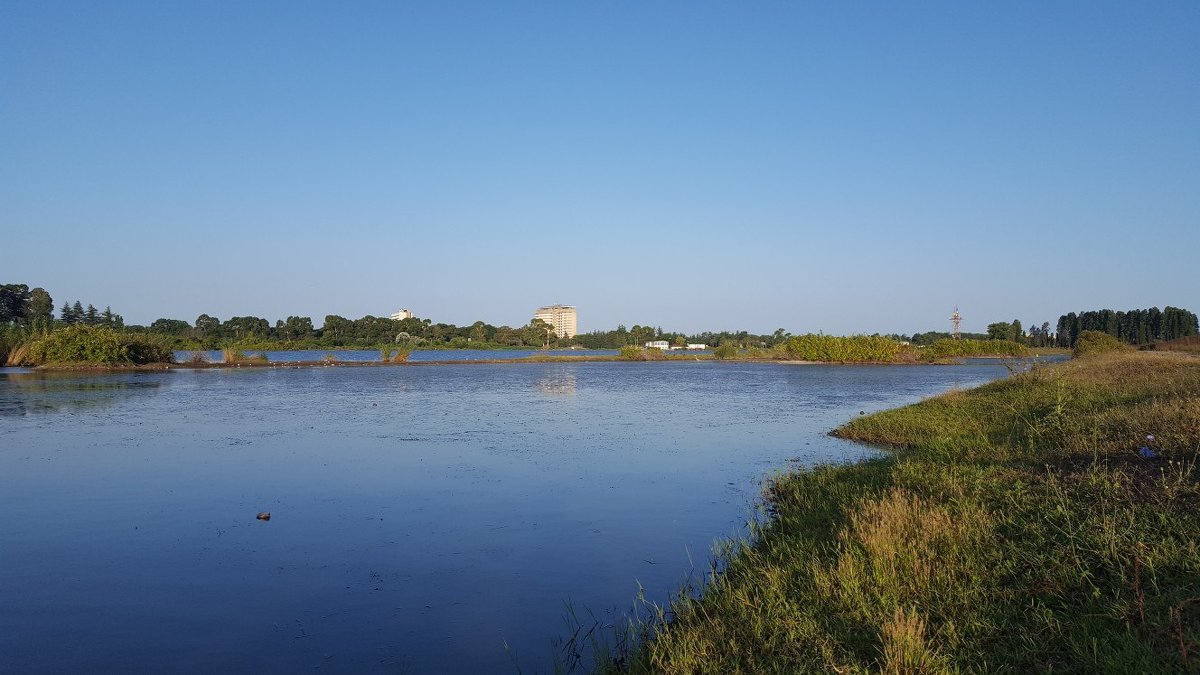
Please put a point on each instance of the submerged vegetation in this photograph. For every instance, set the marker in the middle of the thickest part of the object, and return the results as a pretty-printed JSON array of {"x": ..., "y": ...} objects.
[{"x": 1046, "y": 522}]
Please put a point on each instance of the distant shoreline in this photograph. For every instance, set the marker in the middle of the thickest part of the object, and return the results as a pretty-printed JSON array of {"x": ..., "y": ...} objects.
[{"x": 159, "y": 367}]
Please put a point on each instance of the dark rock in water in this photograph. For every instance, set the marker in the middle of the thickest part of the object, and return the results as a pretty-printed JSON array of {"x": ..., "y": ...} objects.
[{"x": 265, "y": 515}]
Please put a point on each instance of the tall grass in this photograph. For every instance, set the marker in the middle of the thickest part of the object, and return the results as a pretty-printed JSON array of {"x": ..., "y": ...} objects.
[
  {"x": 1016, "y": 527},
  {"x": 390, "y": 354},
  {"x": 235, "y": 355}
]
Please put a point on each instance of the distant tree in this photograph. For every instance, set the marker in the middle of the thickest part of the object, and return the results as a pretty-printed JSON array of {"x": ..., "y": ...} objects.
[
  {"x": 14, "y": 301},
  {"x": 507, "y": 336},
  {"x": 77, "y": 312},
  {"x": 176, "y": 327},
  {"x": 1000, "y": 331},
  {"x": 296, "y": 328},
  {"x": 478, "y": 332},
  {"x": 1018, "y": 333},
  {"x": 1137, "y": 326},
  {"x": 336, "y": 329},
  {"x": 208, "y": 326},
  {"x": 240, "y": 327},
  {"x": 91, "y": 316},
  {"x": 111, "y": 319},
  {"x": 40, "y": 310}
]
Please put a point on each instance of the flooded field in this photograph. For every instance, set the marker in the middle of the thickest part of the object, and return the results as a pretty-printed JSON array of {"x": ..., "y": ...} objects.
[{"x": 422, "y": 519}]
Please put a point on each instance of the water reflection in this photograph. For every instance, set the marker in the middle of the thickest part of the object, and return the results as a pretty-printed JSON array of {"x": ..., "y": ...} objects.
[
  {"x": 24, "y": 392},
  {"x": 559, "y": 383},
  {"x": 433, "y": 519}
]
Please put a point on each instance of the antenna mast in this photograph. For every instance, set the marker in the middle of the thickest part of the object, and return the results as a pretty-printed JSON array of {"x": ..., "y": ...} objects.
[{"x": 956, "y": 324}]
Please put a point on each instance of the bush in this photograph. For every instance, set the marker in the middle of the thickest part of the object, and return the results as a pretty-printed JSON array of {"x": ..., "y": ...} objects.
[
  {"x": 632, "y": 353},
  {"x": 726, "y": 351},
  {"x": 235, "y": 355},
  {"x": 1096, "y": 342},
  {"x": 854, "y": 348},
  {"x": 956, "y": 348},
  {"x": 96, "y": 345},
  {"x": 394, "y": 354}
]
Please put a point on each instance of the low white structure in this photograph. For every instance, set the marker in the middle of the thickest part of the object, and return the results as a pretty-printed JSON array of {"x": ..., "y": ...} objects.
[
  {"x": 402, "y": 315},
  {"x": 692, "y": 346},
  {"x": 658, "y": 344}
]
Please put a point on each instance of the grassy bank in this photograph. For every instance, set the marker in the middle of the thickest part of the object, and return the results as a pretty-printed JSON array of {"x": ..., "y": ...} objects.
[{"x": 1015, "y": 528}]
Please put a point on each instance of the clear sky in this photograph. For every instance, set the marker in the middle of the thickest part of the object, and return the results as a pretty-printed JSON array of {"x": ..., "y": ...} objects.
[{"x": 845, "y": 167}]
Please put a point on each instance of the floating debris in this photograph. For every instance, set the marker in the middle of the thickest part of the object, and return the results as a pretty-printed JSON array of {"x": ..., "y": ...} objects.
[{"x": 265, "y": 515}]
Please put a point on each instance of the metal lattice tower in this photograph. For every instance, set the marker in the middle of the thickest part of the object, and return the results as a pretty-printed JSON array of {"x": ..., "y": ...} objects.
[{"x": 956, "y": 324}]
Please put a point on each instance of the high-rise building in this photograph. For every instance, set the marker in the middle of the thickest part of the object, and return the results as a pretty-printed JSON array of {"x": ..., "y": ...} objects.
[{"x": 561, "y": 317}]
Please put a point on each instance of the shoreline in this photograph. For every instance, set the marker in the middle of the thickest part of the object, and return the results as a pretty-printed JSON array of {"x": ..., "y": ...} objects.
[
  {"x": 706, "y": 358},
  {"x": 1027, "y": 492}
]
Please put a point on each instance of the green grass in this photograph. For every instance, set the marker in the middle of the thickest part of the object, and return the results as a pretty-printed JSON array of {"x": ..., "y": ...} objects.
[{"x": 1015, "y": 528}]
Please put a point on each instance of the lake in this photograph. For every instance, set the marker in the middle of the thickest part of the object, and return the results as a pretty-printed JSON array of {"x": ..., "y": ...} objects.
[
  {"x": 417, "y": 355},
  {"x": 434, "y": 519}
]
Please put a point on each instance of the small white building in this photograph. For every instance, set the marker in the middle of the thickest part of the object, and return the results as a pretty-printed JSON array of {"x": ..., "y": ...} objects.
[
  {"x": 659, "y": 344},
  {"x": 402, "y": 315},
  {"x": 692, "y": 346}
]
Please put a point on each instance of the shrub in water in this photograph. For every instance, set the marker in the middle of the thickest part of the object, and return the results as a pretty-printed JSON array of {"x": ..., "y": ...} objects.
[
  {"x": 955, "y": 348},
  {"x": 725, "y": 351},
  {"x": 831, "y": 348},
  {"x": 98, "y": 345}
]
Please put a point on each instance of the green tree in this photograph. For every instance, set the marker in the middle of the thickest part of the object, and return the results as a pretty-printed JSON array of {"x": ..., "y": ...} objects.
[
  {"x": 1018, "y": 333},
  {"x": 478, "y": 332},
  {"x": 91, "y": 316},
  {"x": 14, "y": 299},
  {"x": 336, "y": 329},
  {"x": 208, "y": 326},
  {"x": 241, "y": 327},
  {"x": 999, "y": 331},
  {"x": 175, "y": 327},
  {"x": 40, "y": 309},
  {"x": 296, "y": 328}
]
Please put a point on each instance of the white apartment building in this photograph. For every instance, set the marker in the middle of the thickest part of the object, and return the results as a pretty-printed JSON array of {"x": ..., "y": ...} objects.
[
  {"x": 402, "y": 315},
  {"x": 561, "y": 317}
]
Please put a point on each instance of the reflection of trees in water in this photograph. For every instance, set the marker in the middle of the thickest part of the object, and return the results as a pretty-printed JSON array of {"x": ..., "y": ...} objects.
[
  {"x": 51, "y": 392},
  {"x": 558, "y": 383}
]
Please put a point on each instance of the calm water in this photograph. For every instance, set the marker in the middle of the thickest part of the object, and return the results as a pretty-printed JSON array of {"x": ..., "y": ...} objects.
[
  {"x": 418, "y": 355},
  {"x": 422, "y": 518}
]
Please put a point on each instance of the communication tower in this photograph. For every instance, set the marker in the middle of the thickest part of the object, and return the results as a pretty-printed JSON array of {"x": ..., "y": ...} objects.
[{"x": 956, "y": 324}]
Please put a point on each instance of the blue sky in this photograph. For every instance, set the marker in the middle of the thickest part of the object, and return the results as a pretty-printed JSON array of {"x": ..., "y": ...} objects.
[{"x": 845, "y": 167}]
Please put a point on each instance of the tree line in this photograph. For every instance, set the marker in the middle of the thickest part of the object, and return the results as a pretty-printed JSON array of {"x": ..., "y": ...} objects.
[
  {"x": 338, "y": 331},
  {"x": 1135, "y": 327}
]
